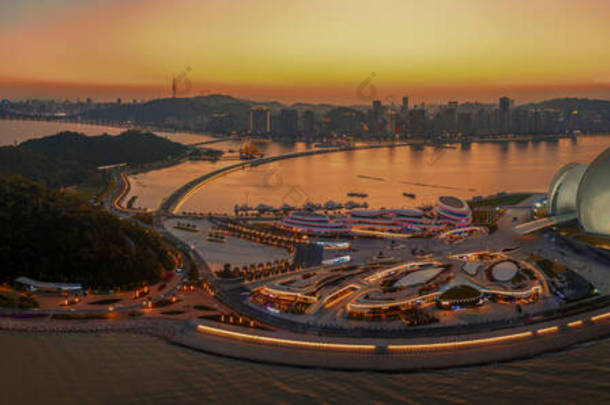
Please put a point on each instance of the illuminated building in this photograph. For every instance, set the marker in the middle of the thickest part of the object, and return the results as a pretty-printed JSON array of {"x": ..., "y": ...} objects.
[
  {"x": 453, "y": 211},
  {"x": 307, "y": 222},
  {"x": 260, "y": 120},
  {"x": 392, "y": 122}
]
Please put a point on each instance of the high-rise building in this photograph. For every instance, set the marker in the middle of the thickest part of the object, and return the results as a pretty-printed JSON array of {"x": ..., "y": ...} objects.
[
  {"x": 376, "y": 105},
  {"x": 391, "y": 122},
  {"x": 260, "y": 120},
  {"x": 520, "y": 123},
  {"x": 348, "y": 123},
  {"x": 483, "y": 122},
  {"x": 405, "y": 106},
  {"x": 505, "y": 103},
  {"x": 274, "y": 125},
  {"x": 504, "y": 115},
  {"x": 417, "y": 121},
  {"x": 464, "y": 123},
  {"x": 376, "y": 119},
  {"x": 289, "y": 123},
  {"x": 308, "y": 123},
  {"x": 535, "y": 121},
  {"x": 403, "y": 121},
  {"x": 449, "y": 116}
]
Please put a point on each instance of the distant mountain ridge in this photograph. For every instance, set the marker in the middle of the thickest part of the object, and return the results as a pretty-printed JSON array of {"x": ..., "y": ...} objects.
[
  {"x": 569, "y": 104},
  {"x": 195, "y": 112}
]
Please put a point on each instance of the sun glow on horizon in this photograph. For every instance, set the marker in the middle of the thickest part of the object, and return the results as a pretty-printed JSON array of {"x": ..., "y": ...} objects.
[{"x": 314, "y": 51}]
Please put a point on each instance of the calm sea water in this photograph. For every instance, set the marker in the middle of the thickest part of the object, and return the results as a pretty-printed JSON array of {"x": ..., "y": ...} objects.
[
  {"x": 12, "y": 132},
  {"x": 385, "y": 174},
  {"x": 126, "y": 369}
]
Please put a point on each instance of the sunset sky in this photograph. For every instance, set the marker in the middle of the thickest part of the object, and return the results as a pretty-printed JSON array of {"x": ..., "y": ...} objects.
[{"x": 315, "y": 50}]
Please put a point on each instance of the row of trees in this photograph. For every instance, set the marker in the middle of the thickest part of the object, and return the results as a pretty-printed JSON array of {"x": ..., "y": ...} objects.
[{"x": 254, "y": 271}]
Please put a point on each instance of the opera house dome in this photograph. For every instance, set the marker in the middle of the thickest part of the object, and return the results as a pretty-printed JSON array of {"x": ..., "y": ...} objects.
[
  {"x": 563, "y": 191},
  {"x": 593, "y": 200}
]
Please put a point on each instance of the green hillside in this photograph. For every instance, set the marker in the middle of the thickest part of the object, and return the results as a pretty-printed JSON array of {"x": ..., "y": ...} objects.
[
  {"x": 53, "y": 236},
  {"x": 70, "y": 158}
]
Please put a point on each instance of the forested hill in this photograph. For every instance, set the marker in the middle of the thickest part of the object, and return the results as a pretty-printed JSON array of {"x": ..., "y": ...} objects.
[
  {"x": 69, "y": 158},
  {"x": 191, "y": 112},
  {"x": 53, "y": 236},
  {"x": 567, "y": 105}
]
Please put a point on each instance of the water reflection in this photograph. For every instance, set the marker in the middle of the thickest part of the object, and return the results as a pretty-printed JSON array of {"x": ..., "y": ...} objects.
[
  {"x": 126, "y": 369},
  {"x": 386, "y": 173}
]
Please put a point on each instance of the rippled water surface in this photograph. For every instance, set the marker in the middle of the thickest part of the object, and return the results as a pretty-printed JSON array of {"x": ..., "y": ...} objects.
[
  {"x": 126, "y": 369},
  {"x": 385, "y": 174}
]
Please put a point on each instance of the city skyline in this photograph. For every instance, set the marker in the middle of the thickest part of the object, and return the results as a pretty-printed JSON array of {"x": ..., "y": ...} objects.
[{"x": 292, "y": 51}]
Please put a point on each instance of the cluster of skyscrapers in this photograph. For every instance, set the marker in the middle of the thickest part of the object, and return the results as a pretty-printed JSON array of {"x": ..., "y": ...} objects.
[
  {"x": 285, "y": 125},
  {"x": 381, "y": 119},
  {"x": 451, "y": 119}
]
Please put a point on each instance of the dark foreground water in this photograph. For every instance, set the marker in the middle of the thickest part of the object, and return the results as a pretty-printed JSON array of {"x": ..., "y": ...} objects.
[{"x": 126, "y": 369}]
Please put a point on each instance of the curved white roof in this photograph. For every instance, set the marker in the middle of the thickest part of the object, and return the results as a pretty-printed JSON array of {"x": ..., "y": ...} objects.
[
  {"x": 564, "y": 188},
  {"x": 593, "y": 200}
]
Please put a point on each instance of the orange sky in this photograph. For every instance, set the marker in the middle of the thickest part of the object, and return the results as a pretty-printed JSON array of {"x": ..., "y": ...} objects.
[{"x": 314, "y": 50}]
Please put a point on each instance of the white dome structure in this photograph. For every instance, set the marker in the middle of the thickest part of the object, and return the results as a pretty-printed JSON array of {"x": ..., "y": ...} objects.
[
  {"x": 593, "y": 200},
  {"x": 562, "y": 194}
]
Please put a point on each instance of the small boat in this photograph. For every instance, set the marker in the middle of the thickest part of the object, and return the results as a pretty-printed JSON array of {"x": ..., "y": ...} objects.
[
  {"x": 408, "y": 195},
  {"x": 361, "y": 195},
  {"x": 371, "y": 178}
]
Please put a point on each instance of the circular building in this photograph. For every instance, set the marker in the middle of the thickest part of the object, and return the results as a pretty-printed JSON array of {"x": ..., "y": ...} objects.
[
  {"x": 561, "y": 196},
  {"x": 453, "y": 211},
  {"x": 593, "y": 200},
  {"x": 504, "y": 271}
]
